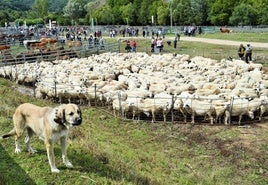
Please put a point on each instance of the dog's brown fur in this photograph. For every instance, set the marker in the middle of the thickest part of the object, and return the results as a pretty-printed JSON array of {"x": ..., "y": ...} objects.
[{"x": 50, "y": 124}]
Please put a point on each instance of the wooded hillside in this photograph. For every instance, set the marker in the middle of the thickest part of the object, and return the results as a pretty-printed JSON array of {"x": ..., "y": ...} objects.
[{"x": 137, "y": 12}]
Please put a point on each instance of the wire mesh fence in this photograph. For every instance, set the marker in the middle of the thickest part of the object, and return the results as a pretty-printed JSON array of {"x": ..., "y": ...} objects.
[{"x": 171, "y": 109}]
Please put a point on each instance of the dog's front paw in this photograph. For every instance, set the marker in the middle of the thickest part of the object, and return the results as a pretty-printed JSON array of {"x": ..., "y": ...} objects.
[{"x": 55, "y": 170}]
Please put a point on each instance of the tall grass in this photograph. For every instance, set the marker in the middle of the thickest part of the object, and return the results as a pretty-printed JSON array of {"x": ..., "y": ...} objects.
[{"x": 108, "y": 150}]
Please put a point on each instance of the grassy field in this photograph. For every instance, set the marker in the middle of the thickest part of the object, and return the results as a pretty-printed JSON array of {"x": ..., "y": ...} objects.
[
  {"x": 107, "y": 150},
  {"x": 214, "y": 51}
]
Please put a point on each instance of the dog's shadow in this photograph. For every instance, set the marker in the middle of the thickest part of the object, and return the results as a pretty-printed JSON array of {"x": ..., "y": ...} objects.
[
  {"x": 98, "y": 164},
  {"x": 10, "y": 170}
]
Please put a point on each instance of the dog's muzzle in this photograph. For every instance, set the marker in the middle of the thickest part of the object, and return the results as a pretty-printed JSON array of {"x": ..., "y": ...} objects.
[{"x": 77, "y": 121}]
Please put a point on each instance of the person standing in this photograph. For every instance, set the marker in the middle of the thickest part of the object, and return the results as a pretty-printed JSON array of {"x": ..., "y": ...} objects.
[
  {"x": 175, "y": 43},
  {"x": 178, "y": 36},
  {"x": 90, "y": 41},
  {"x": 248, "y": 53},
  {"x": 241, "y": 51},
  {"x": 128, "y": 47},
  {"x": 159, "y": 44},
  {"x": 152, "y": 44},
  {"x": 102, "y": 42},
  {"x": 134, "y": 46}
]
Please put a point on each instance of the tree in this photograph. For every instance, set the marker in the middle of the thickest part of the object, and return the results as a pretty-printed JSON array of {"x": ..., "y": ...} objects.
[
  {"x": 127, "y": 12},
  {"x": 22, "y": 5},
  {"x": 154, "y": 11},
  {"x": 139, "y": 12},
  {"x": 75, "y": 9},
  {"x": 142, "y": 14},
  {"x": 261, "y": 6},
  {"x": 264, "y": 15},
  {"x": 39, "y": 9},
  {"x": 163, "y": 15},
  {"x": 244, "y": 14},
  {"x": 104, "y": 15},
  {"x": 90, "y": 7},
  {"x": 220, "y": 11},
  {"x": 57, "y": 6},
  {"x": 200, "y": 11},
  {"x": 183, "y": 12}
]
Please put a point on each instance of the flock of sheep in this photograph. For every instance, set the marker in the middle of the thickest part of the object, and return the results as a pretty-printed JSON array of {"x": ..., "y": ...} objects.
[{"x": 138, "y": 84}]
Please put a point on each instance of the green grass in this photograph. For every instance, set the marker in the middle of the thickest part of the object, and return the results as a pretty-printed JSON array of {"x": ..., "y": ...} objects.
[{"x": 108, "y": 150}]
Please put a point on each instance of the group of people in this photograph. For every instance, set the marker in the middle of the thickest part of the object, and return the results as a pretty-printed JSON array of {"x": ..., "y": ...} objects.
[
  {"x": 158, "y": 43},
  {"x": 131, "y": 46},
  {"x": 245, "y": 53},
  {"x": 95, "y": 42}
]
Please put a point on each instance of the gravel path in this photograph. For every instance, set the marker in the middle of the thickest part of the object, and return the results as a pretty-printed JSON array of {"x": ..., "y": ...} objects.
[{"x": 224, "y": 42}]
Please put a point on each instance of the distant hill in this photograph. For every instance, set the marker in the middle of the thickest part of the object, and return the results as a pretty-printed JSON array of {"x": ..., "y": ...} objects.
[
  {"x": 21, "y": 5},
  {"x": 54, "y": 5}
]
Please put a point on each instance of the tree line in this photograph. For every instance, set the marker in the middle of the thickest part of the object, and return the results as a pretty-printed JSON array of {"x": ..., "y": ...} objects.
[{"x": 135, "y": 12}]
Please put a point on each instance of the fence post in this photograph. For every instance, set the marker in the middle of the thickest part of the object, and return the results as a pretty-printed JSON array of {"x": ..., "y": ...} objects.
[
  {"x": 55, "y": 90},
  {"x": 231, "y": 109},
  {"x": 11, "y": 76},
  {"x": 172, "y": 109},
  {"x": 120, "y": 106}
]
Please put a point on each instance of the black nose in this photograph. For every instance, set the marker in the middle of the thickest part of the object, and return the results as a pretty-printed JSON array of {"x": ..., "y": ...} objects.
[{"x": 78, "y": 121}]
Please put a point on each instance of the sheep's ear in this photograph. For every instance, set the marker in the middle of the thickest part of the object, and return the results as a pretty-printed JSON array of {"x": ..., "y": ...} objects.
[{"x": 60, "y": 115}]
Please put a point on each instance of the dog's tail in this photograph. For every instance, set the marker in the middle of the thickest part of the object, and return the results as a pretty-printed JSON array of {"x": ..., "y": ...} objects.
[{"x": 11, "y": 133}]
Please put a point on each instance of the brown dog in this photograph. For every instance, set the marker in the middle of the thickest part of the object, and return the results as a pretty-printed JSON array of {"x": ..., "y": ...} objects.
[{"x": 50, "y": 124}]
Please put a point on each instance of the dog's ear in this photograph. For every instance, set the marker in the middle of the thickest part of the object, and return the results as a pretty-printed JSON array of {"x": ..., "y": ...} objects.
[{"x": 60, "y": 115}]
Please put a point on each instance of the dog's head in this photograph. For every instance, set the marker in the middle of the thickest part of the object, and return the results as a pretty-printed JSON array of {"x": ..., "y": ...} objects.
[{"x": 68, "y": 115}]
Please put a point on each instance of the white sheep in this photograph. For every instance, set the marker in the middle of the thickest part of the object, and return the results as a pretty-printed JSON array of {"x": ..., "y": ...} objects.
[
  {"x": 263, "y": 106},
  {"x": 239, "y": 107},
  {"x": 164, "y": 101},
  {"x": 199, "y": 107}
]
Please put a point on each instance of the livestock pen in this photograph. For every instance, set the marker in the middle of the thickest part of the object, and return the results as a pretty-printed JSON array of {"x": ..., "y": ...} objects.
[{"x": 152, "y": 87}]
